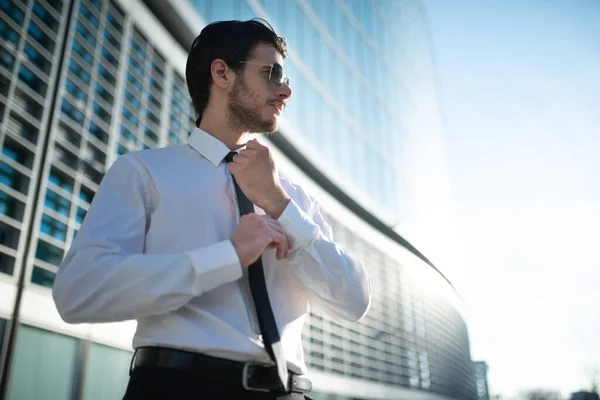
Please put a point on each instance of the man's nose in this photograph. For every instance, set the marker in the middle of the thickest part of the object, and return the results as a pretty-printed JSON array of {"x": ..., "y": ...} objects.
[{"x": 284, "y": 91}]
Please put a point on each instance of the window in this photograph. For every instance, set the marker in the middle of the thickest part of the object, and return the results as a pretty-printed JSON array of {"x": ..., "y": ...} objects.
[
  {"x": 156, "y": 69},
  {"x": 153, "y": 100},
  {"x": 98, "y": 132},
  {"x": 80, "y": 215},
  {"x": 8, "y": 33},
  {"x": 7, "y": 264},
  {"x": 11, "y": 207},
  {"x": 106, "y": 372},
  {"x": 159, "y": 61},
  {"x": 111, "y": 39},
  {"x": 176, "y": 107},
  {"x": 43, "y": 277},
  {"x": 57, "y": 203},
  {"x": 95, "y": 154},
  {"x": 105, "y": 94},
  {"x": 10, "y": 177},
  {"x": 54, "y": 228},
  {"x": 56, "y": 4},
  {"x": 137, "y": 85},
  {"x": 155, "y": 84},
  {"x": 86, "y": 194},
  {"x": 31, "y": 80},
  {"x": 128, "y": 115},
  {"x": 173, "y": 138},
  {"x": 70, "y": 111},
  {"x": 75, "y": 90},
  {"x": 61, "y": 180},
  {"x": 121, "y": 149},
  {"x": 101, "y": 112},
  {"x": 148, "y": 133},
  {"x": 175, "y": 122},
  {"x": 9, "y": 236},
  {"x": 48, "y": 253},
  {"x": 127, "y": 134},
  {"x": 35, "y": 57},
  {"x": 132, "y": 99},
  {"x": 83, "y": 10},
  {"x": 6, "y": 60},
  {"x": 106, "y": 74},
  {"x": 139, "y": 51},
  {"x": 16, "y": 152},
  {"x": 48, "y": 356},
  {"x": 45, "y": 16},
  {"x": 79, "y": 71},
  {"x": 87, "y": 35},
  {"x": 151, "y": 117},
  {"x": 109, "y": 57},
  {"x": 13, "y": 11},
  {"x": 82, "y": 52},
  {"x": 97, "y": 4},
  {"x": 114, "y": 22}
]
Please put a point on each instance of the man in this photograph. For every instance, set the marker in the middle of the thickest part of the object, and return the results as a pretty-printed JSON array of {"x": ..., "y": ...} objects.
[{"x": 220, "y": 299}]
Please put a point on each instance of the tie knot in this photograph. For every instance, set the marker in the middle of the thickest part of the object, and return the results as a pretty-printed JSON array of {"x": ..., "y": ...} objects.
[{"x": 229, "y": 157}]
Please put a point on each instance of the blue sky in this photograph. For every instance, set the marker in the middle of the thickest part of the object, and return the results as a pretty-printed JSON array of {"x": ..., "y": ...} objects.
[{"x": 520, "y": 94}]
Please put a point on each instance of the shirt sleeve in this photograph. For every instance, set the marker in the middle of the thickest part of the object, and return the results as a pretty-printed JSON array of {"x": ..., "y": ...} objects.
[
  {"x": 337, "y": 282},
  {"x": 106, "y": 277}
]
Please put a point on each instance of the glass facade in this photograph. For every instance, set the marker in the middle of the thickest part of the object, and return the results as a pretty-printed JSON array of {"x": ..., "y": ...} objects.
[
  {"x": 344, "y": 71},
  {"x": 78, "y": 92},
  {"x": 2, "y": 328},
  {"x": 29, "y": 54},
  {"x": 49, "y": 359},
  {"x": 63, "y": 367},
  {"x": 105, "y": 69},
  {"x": 481, "y": 381},
  {"x": 106, "y": 365}
]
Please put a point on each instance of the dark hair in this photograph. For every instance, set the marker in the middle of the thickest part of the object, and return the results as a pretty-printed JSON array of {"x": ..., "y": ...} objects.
[{"x": 231, "y": 41}]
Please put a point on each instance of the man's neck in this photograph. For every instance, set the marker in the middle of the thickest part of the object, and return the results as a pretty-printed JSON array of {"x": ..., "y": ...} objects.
[{"x": 219, "y": 128}]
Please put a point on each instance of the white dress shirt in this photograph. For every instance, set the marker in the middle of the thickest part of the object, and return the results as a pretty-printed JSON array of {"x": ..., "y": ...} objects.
[{"x": 154, "y": 247}]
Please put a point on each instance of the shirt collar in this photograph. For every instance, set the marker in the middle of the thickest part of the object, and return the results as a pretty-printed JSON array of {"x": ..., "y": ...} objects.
[{"x": 208, "y": 146}]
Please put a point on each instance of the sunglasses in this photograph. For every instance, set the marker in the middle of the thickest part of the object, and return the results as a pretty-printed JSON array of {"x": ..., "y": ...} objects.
[{"x": 277, "y": 74}]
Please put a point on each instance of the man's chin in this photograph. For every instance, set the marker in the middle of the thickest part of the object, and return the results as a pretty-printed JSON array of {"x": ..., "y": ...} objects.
[{"x": 269, "y": 128}]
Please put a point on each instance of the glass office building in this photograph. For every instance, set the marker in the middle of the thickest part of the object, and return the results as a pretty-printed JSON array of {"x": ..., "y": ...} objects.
[
  {"x": 85, "y": 81},
  {"x": 481, "y": 380}
]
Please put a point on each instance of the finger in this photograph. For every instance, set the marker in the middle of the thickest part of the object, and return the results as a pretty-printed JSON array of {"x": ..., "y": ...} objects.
[
  {"x": 240, "y": 163},
  {"x": 247, "y": 154},
  {"x": 254, "y": 144},
  {"x": 273, "y": 229},
  {"x": 277, "y": 227},
  {"x": 281, "y": 247},
  {"x": 267, "y": 243},
  {"x": 278, "y": 242},
  {"x": 275, "y": 244}
]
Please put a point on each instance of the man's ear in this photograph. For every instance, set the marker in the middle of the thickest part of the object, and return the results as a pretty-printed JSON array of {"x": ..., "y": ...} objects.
[{"x": 221, "y": 73}]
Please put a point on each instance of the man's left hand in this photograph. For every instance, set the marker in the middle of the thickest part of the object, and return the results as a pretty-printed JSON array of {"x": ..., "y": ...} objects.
[{"x": 255, "y": 171}]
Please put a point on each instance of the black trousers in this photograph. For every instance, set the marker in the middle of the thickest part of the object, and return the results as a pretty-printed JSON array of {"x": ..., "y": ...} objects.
[{"x": 169, "y": 384}]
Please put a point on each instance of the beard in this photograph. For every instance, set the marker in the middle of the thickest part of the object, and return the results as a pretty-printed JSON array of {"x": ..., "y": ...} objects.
[{"x": 244, "y": 110}]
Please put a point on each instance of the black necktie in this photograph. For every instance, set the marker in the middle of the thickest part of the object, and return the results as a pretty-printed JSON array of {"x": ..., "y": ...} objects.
[{"x": 258, "y": 287}]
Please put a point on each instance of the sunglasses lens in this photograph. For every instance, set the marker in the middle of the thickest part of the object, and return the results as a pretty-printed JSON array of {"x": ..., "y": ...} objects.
[{"x": 278, "y": 75}]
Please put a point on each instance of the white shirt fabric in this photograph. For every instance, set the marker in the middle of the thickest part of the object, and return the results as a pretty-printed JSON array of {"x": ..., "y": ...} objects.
[{"x": 154, "y": 246}]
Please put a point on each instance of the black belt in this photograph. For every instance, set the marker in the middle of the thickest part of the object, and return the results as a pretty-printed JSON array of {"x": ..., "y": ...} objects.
[{"x": 251, "y": 376}]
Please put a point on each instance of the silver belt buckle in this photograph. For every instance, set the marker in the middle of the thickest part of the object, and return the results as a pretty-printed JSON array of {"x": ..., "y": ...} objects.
[{"x": 245, "y": 378}]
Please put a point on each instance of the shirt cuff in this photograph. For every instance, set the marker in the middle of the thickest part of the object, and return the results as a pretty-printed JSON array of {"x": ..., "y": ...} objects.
[
  {"x": 298, "y": 225},
  {"x": 214, "y": 266}
]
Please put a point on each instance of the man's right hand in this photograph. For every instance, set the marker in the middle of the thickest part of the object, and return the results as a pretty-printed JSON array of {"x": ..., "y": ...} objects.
[{"x": 256, "y": 233}]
